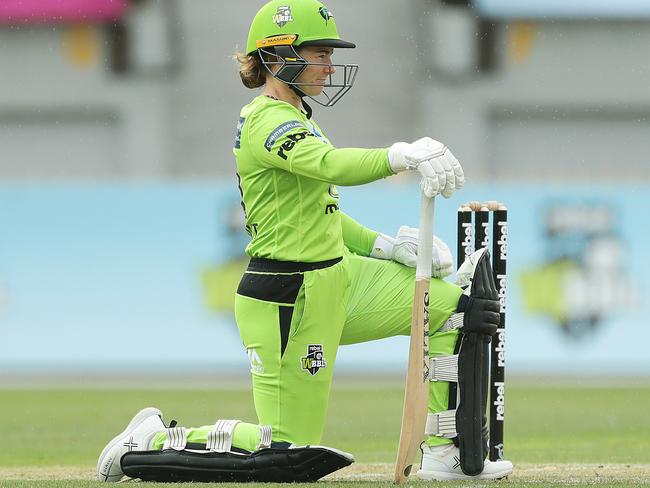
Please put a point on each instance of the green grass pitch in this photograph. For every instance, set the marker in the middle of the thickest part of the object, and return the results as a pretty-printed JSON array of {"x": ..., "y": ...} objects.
[{"x": 556, "y": 434}]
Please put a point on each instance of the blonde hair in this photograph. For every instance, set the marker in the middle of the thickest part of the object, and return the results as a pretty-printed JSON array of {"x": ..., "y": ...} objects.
[{"x": 251, "y": 70}]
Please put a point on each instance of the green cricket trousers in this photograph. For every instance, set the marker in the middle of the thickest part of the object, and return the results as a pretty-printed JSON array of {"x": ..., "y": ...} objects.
[{"x": 292, "y": 318}]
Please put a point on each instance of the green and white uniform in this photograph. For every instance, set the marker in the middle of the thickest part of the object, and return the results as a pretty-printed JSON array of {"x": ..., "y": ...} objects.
[{"x": 311, "y": 286}]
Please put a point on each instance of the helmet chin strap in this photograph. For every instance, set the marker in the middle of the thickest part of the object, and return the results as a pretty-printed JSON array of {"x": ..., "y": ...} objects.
[{"x": 308, "y": 109}]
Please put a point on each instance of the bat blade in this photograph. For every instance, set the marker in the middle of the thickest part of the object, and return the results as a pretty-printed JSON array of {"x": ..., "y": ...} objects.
[{"x": 416, "y": 394}]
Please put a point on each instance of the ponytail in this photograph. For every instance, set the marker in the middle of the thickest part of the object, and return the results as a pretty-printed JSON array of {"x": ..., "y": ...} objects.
[{"x": 251, "y": 70}]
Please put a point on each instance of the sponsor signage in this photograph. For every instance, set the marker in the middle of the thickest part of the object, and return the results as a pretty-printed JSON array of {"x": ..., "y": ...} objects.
[{"x": 56, "y": 11}]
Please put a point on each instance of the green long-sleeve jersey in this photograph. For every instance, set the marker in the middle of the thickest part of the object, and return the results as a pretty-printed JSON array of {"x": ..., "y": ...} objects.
[{"x": 288, "y": 172}]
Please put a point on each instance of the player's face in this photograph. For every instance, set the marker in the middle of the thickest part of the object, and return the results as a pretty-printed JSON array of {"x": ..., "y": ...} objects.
[{"x": 314, "y": 77}]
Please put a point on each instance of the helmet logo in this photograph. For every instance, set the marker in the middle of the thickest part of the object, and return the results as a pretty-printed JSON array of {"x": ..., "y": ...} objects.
[
  {"x": 326, "y": 14},
  {"x": 282, "y": 16}
]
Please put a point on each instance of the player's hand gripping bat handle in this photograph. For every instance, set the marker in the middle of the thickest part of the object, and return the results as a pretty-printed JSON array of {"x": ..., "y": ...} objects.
[{"x": 416, "y": 394}]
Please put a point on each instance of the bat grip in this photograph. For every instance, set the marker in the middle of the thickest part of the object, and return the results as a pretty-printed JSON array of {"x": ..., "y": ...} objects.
[{"x": 425, "y": 237}]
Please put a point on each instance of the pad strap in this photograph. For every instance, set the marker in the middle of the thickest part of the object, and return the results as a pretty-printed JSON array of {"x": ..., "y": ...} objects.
[
  {"x": 266, "y": 433},
  {"x": 454, "y": 322},
  {"x": 176, "y": 438},
  {"x": 220, "y": 437},
  {"x": 443, "y": 368},
  {"x": 442, "y": 424}
]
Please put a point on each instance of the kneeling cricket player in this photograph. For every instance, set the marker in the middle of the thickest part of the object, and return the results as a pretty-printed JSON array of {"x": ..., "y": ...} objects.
[{"x": 317, "y": 279}]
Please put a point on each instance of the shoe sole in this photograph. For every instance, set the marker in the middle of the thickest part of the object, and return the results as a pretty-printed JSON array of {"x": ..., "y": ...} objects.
[
  {"x": 446, "y": 476},
  {"x": 140, "y": 417}
]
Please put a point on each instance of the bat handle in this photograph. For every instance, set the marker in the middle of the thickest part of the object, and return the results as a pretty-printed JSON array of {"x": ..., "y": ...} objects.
[{"x": 425, "y": 237}]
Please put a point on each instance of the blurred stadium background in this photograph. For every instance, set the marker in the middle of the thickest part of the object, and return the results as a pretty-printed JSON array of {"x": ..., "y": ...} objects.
[{"x": 120, "y": 232}]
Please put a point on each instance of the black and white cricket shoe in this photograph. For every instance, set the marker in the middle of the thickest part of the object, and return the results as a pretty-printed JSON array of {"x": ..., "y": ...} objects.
[
  {"x": 136, "y": 437},
  {"x": 442, "y": 463}
]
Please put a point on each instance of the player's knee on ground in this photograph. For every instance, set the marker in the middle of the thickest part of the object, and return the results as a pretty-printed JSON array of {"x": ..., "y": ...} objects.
[
  {"x": 218, "y": 461},
  {"x": 208, "y": 455}
]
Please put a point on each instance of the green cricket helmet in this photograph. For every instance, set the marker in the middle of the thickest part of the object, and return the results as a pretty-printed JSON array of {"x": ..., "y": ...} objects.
[{"x": 282, "y": 26}]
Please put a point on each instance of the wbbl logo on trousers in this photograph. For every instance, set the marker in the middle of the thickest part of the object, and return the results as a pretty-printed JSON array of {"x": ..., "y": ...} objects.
[{"x": 314, "y": 360}]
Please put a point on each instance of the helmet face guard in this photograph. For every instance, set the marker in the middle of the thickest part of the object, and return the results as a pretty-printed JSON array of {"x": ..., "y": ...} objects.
[{"x": 290, "y": 65}]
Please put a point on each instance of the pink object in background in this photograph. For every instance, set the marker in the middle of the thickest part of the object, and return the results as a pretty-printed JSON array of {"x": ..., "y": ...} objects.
[{"x": 60, "y": 11}]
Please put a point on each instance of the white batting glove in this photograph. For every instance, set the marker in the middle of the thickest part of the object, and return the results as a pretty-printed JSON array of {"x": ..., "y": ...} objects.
[
  {"x": 441, "y": 172},
  {"x": 404, "y": 249}
]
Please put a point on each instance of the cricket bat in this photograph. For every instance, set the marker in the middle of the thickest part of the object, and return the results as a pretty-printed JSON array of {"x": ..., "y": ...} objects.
[{"x": 416, "y": 394}]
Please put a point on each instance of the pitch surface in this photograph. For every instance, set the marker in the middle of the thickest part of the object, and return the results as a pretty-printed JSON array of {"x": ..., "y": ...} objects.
[{"x": 570, "y": 432}]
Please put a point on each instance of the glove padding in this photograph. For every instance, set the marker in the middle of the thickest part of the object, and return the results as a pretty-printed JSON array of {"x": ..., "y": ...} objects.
[
  {"x": 441, "y": 172},
  {"x": 404, "y": 249}
]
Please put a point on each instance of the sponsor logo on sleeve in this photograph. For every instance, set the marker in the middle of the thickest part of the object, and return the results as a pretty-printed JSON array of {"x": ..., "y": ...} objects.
[
  {"x": 316, "y": 132},
  {"x": 280, "y": 131},
  {"x": 292, "y": 140}
]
